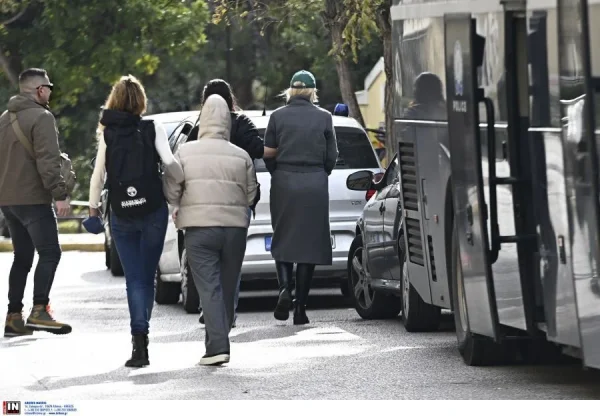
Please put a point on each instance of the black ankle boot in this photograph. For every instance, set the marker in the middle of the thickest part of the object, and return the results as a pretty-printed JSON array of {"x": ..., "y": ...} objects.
[
  {"x": 284, "y": 275},
  {"x": 304, "y": 274},
  {"x": 300, "y": 317},
  {"x": 139, "y": 353}
]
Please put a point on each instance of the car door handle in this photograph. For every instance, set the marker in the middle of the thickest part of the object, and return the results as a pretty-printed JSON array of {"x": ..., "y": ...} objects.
[{"x": 382, "y": 207}]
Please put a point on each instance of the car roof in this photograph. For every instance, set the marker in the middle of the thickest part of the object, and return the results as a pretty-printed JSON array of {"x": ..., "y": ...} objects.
[{"x": 256, "y": 115}]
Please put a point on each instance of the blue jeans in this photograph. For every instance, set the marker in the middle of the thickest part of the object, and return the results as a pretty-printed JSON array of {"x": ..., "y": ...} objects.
[{"x": 140, "y": 243}]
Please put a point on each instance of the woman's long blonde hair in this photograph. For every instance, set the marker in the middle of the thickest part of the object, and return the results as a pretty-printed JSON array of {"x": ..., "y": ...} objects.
[
  {"x": 310, "y": 93},
  {"x": 127, "y": 95}
]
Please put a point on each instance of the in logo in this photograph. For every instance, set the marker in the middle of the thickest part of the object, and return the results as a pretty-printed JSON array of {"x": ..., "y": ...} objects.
[
  {"x": 458, "y": 69},
  {"x": 11, "y": 408},
  {"x": 131, "y": 191}
]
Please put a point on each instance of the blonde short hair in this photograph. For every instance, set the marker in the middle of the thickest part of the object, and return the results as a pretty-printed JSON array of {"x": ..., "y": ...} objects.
[
  {"x": 127, "y": 95},
  {"x": 310, "y": 93}
]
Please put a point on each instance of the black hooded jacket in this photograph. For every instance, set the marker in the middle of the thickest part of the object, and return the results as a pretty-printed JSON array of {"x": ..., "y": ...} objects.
[{"x": 244, "y": 135}]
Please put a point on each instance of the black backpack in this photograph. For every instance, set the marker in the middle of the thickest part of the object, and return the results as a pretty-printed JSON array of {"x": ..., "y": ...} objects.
[{"x": 133, "y": 167}]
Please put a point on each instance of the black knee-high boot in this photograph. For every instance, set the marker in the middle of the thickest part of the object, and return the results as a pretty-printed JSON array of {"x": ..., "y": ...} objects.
[
  {"x": 304, "y": 274},
  {"x": 284, "y": 275}
]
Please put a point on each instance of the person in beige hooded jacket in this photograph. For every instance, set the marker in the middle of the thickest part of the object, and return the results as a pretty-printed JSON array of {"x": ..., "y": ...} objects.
[{"x": 218, "y": 187}]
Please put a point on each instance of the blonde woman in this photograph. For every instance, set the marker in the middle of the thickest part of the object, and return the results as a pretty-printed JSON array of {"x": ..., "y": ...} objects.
[
  {"x": 130, "y": 153},
  {"x": 306, "y": 146}
]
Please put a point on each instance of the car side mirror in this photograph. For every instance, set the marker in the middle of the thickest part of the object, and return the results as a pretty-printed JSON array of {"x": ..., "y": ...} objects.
[{"x": 360, "y": 181}]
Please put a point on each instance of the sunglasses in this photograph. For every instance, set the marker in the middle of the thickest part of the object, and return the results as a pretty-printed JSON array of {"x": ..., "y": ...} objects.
[{"x": 49, "y": 86}]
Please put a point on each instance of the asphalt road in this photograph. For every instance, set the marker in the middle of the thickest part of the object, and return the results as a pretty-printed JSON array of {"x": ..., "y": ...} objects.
[{"x": 337, "y": 356}]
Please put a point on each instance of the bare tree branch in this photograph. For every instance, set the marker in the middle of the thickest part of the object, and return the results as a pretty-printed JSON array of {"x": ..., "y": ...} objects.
[{"x": 15, "y": 17}]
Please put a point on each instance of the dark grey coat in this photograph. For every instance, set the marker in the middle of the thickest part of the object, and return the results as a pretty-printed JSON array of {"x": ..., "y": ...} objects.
[{"x": 306, "y": 154}]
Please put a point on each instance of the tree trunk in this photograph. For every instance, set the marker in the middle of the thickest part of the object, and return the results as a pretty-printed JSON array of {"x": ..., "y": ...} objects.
[
  {"x": 384, "y": 23},
  {"x": 243, "y": 91},
  {"x": 335, "y": 20},
  {"x": 344, "y": 74},
  {"x": 9, "y": 69}
]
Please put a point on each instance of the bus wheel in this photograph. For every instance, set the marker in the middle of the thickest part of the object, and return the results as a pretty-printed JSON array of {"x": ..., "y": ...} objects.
[
  {"x": 417, "y": 315},
  {"x": 476, "y": 350}
]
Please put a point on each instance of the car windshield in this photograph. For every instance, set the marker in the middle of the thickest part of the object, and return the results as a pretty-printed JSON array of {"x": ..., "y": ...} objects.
[
  {"x": 355, "y": 150},
  {"x": 171, "y": 133},
  {"x": 170, "y": 127}
]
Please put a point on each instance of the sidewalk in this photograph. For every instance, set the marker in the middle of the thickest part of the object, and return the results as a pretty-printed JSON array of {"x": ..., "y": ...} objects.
[{"x": 68, "y": 242}]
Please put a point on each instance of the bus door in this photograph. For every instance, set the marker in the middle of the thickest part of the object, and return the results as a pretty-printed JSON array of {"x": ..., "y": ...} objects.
[
  {"x": 555, "y": 292},
  {"x": 578, "y": 89},
  {"x": 464, "y": 53}
]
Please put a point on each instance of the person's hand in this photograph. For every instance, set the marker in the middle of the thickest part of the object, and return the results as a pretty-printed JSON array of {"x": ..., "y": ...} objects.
[
  {"x": 94, "y": 212},
  {"x": 269, "y": 153},
  {"x": 63, "y": 208},
  {"x": 175, "y": 212}
]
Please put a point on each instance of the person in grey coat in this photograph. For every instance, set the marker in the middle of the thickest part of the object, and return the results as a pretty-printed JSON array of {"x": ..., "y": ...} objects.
[{"x": 307, "y": 151}]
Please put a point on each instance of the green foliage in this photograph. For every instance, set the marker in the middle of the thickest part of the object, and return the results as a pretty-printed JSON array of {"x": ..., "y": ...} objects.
[
  {"x": 9, "y": 7},
  {"x": 69, "y": 227},
  {"x": 96, "y": 41},
  {"x": 86, "y": 45},
  {"x": 297, "y": 37},
  {"x": 361, "y": 23},
  {"x": 174, "y": 49}
]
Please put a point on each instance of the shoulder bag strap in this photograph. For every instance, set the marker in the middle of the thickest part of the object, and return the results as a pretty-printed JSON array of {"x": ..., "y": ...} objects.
[{"x": 15, "y": 125}]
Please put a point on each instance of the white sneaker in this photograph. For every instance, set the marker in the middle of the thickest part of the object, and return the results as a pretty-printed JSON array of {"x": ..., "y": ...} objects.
[{"x": 216, "y": 359}]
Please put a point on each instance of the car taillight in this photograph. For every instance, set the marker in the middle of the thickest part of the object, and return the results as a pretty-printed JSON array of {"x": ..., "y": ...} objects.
[{"x": 369, "y": 194}]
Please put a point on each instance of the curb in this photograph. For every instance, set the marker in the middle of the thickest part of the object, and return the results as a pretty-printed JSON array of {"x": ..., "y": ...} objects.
[{"x": 6, "y": 246}]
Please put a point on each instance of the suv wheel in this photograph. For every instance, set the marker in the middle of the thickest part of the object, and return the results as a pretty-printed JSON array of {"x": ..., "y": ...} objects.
[
  {"x": 368, "y": 303},
  {"x": 167, "y": 293}
]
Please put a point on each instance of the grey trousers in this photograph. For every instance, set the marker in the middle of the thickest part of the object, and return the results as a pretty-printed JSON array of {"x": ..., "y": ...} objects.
[{"x": 215, "y": 255}]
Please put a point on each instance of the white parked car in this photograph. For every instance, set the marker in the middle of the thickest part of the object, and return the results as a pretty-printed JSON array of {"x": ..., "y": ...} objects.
[{"x": 356, "y": 153}]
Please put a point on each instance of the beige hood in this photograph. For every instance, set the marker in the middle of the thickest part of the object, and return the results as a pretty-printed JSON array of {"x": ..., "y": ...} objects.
[{"x": 215, "y": 119}]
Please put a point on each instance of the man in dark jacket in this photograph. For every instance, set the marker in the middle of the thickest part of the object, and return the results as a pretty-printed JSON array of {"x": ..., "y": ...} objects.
[{"x": 28, "y": 185}]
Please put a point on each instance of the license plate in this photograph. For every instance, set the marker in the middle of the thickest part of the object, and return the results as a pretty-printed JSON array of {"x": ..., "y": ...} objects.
[{"x": 269, "y": 238}]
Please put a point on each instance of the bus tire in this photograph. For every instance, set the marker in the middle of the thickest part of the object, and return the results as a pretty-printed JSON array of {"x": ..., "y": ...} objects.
[
  {"x": 417, "y": 315},
  {"x": 476, "y": 350}
]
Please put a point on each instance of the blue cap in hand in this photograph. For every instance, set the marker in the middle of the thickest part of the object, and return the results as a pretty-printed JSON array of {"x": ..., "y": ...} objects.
[{"x": 93, "y": 225}]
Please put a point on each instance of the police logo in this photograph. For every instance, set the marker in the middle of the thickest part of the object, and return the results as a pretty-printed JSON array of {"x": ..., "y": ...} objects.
[
  {"x": 131, "y": 191},
  {"x": 458, "y": 69}
]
